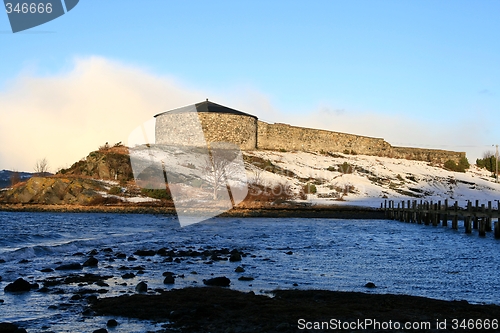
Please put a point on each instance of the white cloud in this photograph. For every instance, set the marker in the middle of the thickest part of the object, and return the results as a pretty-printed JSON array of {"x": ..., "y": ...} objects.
[{"x": 64, "y": 117}]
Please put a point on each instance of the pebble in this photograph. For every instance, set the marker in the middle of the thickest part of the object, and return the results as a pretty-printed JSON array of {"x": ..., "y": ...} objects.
[
  {"x": 220, "y": 281},
  {"x": 141, "y": 287},
  {"x": 169, "y": 280},
  {"x": 91, "y": 262},
  {"x": 112, "y": 323},
  {"x": 101, "y": 330}
]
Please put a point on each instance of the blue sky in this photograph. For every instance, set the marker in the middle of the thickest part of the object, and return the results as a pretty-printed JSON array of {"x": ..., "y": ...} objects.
[{"x": 419, "y": 73}]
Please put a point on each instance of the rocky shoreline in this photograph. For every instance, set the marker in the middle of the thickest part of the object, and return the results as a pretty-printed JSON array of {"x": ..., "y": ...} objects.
[
  {"x": 213, "y": 306},
  {"x": 212, "y": 309},
  {"x": 341, "y": 212}
]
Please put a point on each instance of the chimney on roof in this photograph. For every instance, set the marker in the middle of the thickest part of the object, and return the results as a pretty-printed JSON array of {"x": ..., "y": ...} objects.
[{"x": 207, "y": 99}]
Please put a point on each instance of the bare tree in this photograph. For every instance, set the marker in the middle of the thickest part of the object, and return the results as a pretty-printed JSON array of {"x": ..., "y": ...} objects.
[
  {"x": 257, "y": 178},
  {"x": 15, "y": 178},
  {"x": 219, "y": 167},
  {"x": 42, "y": 167}
]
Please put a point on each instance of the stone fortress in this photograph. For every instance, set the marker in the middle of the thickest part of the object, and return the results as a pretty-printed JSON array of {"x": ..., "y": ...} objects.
[{"x": 222, "y": 124}]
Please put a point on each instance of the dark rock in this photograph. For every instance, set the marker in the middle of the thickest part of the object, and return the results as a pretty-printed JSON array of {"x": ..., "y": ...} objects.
[
  {"x": 112, "y": 323},
  {"x": 108, "y": 249},
  {"x": 20, "y": 285},
  {"x": 140, "y": 272},
  {"x": 2, "y": 261},
  {"x": 70, "y": 266},
  {"x": 177, "y": 260},
  {"x": 78, "y": 254},
  {"x": 0, "y": 278},
  {"x": 245, "y": 278},
  {"x": 101, "y": 283},
  {"x": 239, "y": 269},
  {"x": 10, "y": 328},
  {"x": 91, "y": 262},
  {"x": 220, "y": 281},
  {"x": 24, "y": 261},
  {"x": 101, "y": 330},
  {"x": 138, "y": 268},
  {"x": 52, "y": 307},
  {"x": 93, "y": 252},
  {"x": 289, "y": 253},
  {"x": 145, "y": 253},
  {"x": 1, "y": 301},
  {"x": 169, "y": 280},
  {"x": 162, "y": 252},
  {"x": 128, "y": 276},
  {"x": 76, "y": 297},
  {"x": 168, "y": 274},
  {"x": 131, "y": 258},
  {"x": 295, "y": 284},
  {"x": 92, "y": 298},
  {"x": 370, "y": 285},
  {"x": 121, "y": 255},
  {"x": 46, "y": 270},
  {"x": 141, "y": 287},
  {"x": 236, "y": 256},
  {"x": 43, "y": 290}
]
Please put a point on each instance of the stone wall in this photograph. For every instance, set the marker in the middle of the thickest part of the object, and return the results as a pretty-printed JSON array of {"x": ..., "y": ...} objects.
[
  {"x": 241, "y": 130},
  {"x": 286, "y": 137},
  {"x": 201, "y": 128},
  {"x": 283, "y": 136}
]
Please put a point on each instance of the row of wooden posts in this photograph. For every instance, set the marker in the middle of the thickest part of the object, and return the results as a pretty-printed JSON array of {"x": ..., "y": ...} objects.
[{"x": 474, "y": 217}]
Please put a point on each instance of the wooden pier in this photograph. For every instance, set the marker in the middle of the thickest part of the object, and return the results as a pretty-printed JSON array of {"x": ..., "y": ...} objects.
[{"x": 434, "y": 213}]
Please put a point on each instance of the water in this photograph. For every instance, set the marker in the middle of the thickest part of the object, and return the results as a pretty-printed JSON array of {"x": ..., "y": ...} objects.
[{"x": 332, "y": 254}]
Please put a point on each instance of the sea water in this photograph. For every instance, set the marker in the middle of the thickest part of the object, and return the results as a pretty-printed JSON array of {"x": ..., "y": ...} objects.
[{"x": 281, "y": 253}]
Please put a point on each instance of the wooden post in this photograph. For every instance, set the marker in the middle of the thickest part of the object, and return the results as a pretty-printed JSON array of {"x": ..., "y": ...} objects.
[
  {"x": 414, "y": 212},
  {"x": 482, "y": 227},
  {"x": 475, "y": 223},
  {"x": 408, "y": 212},
  {"x": 489, "y": 217},
  {"x": 438, "y": 212},
  {"x": 419, "y": 213},
  {"x": 467, "y": 222},
  {"x": 445, "y": 215},
  {"x": 497, "y": 230},
  {"x": 454, "y": 223},
  {"x": 435, "y": 215},
  {"x": 427, "y": 214},
  {"x": 398, "y": 212}
]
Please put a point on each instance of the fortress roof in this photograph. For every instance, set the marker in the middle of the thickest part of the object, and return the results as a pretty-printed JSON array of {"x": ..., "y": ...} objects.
[{"x": 208, "y": 106}]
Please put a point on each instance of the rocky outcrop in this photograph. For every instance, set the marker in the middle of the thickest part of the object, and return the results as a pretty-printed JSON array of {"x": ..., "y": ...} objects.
[
  {"x": 105, "y": 163},
  {"x": 54, "y": 190}
]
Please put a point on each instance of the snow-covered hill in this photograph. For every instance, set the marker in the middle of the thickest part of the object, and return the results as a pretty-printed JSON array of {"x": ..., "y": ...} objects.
[
  {"x": 6, "y": 176},
  {"x": 369, "y": 180}
]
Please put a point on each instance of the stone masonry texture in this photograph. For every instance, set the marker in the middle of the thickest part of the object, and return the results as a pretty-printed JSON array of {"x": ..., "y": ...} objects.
[{"x": 202, "y": 128}]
